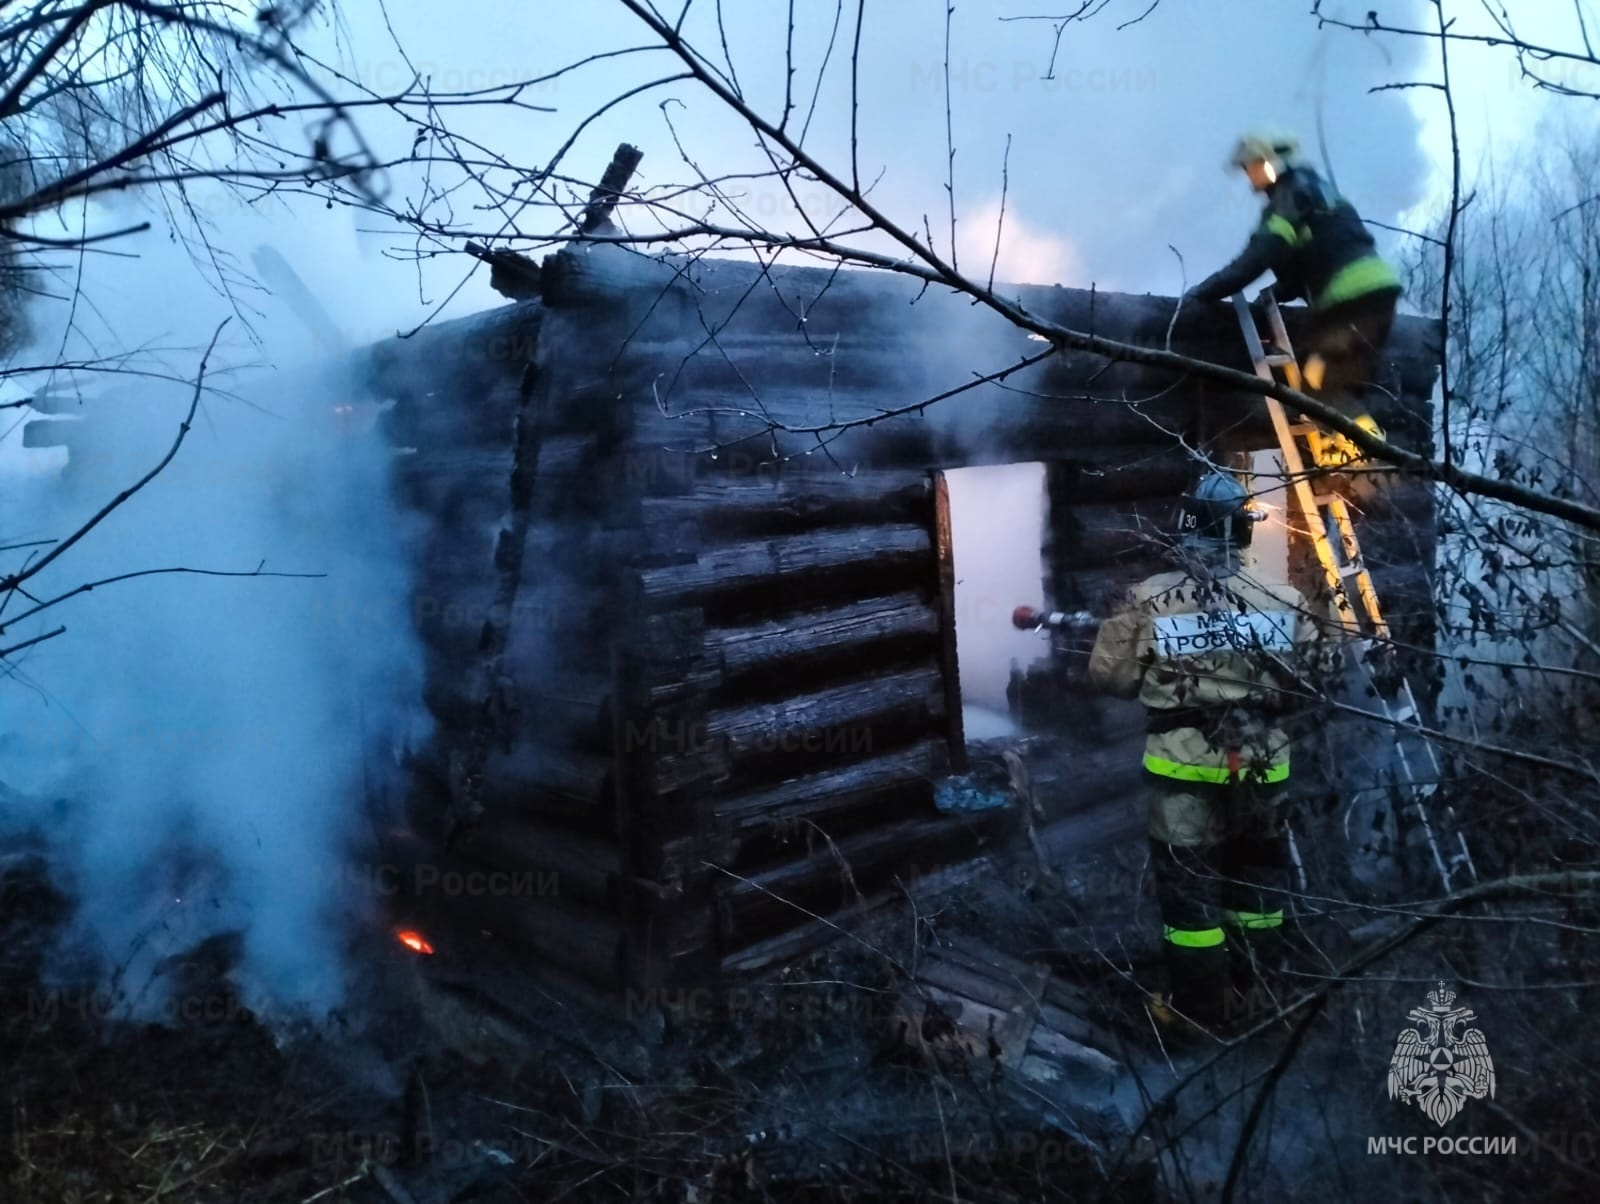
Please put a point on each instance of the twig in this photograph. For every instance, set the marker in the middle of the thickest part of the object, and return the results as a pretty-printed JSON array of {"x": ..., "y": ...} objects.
[
  {"x": 1269, "y": 1084},
  {"x": 949, "y": 140},
  {"x": 1183, "y": 282},
  {"x": 90, "y": 586},
  {"x": 1450, "y": 232},
  {"x": 38, "y": 639},
  {"x": 1000, "y": 226},
  {"x": 340, "y": 1186}
]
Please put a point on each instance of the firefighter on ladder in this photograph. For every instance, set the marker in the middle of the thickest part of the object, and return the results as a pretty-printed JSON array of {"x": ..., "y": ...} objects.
[
  {"x": 1205, "y": 648},
  {"x": 1315, "y": 244}
]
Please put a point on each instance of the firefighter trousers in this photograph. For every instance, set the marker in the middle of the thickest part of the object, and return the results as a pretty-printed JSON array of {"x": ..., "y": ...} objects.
[
  {"x": 1221, "y": 872},
  {"x": 1349, "y": 340}
]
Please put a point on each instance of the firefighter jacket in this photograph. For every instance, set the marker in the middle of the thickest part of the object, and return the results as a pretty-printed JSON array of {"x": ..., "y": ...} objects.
[
  {"x": 1217, "y": 662},
  {"x": 1314, "y": 242}
]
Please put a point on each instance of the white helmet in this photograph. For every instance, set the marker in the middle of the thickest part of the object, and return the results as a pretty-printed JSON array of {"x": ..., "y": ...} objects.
[{"x": 1274, "y": 147}]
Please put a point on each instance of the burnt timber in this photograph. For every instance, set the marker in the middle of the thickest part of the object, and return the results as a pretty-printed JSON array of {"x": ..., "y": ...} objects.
[{"x": 683, "y": 581}]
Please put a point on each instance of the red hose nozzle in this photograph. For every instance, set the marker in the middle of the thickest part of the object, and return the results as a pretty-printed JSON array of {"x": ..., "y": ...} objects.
[{"x": 1025, "y": 618}]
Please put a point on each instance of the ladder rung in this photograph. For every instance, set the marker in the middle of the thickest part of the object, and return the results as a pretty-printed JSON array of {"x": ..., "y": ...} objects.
[
  {"x": 1354, "y": 569},
  {"x": 1277, "y": 360}
]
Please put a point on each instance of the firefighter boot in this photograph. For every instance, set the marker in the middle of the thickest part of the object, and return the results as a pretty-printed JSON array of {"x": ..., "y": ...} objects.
[{"x": 1332, "y": 450}]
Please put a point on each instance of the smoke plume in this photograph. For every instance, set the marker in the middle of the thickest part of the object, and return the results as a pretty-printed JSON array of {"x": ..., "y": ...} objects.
[{"x": 201, "y": 752}]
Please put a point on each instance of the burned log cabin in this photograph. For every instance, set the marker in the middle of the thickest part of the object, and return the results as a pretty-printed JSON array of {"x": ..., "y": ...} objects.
[{"x": 684, "y": 580}]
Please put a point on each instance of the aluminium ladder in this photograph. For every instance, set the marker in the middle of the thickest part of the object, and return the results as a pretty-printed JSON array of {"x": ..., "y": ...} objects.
[{"x": 1333, "y": 537}]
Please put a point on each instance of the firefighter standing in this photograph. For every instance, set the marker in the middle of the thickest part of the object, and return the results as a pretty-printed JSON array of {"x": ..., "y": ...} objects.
[
  {"x": 1315, "y": 244},
  {"x": 1206, "y": 649}
]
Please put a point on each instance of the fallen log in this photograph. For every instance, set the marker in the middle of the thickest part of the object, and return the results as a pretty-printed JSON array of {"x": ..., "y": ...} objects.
[{"x": 970, "y": 1008}]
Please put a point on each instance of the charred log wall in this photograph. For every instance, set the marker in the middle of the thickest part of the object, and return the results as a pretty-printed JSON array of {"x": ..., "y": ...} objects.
[
  {"x": 679, "y": 577},
  {"x": 510, "y": 576}
]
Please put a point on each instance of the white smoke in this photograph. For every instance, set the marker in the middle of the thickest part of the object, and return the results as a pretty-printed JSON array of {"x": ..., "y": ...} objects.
[{"x": 204, "y": 750}]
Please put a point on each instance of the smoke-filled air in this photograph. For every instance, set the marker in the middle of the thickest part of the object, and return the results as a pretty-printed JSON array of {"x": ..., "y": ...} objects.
[{"x": 772, "y": 601}]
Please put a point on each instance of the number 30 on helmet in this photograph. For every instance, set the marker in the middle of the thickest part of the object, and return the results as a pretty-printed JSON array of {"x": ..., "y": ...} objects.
[{"x": 1218, "y": 508}]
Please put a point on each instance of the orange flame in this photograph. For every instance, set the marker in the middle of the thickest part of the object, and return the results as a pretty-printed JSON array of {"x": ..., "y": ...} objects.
[{"x": 414, "y": 941}]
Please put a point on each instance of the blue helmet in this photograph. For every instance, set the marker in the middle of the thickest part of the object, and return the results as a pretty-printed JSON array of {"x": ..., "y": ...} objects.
[{"x": 1217, "y": 508}]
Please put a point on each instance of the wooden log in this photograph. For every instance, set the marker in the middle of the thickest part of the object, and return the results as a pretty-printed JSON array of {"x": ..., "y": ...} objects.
[
  {"x": 440, "y": 468},
  {"x": 532, "y": 779},
  {"x": 1118, "y": 474},
  {"x": 885, "y": 549},
  {"x": 839, "y": 872},
  {"x": 549, "y": 862},
  {"x": 452, "y": 357},
  {"x": 837, "y": 632},
  {"x": 905, "y": 772},
  {"x": 459, "y": 553},
  {"x": 449, "y": 615},
  {"x": 1059, "y": 1042},
  {"x": 838, "y": 719},
  {"x": 510, "y": 274},
  {"x": 996, "y": 991},
  {"x": 706, "y": 417},
  {"x": 603, "y": 200},
  {"x": 558, "y": 706},
  {"x": 594, "y": 275},
  {"x": 793, "y": 501},
  {"x": 478, "y": 411}
]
